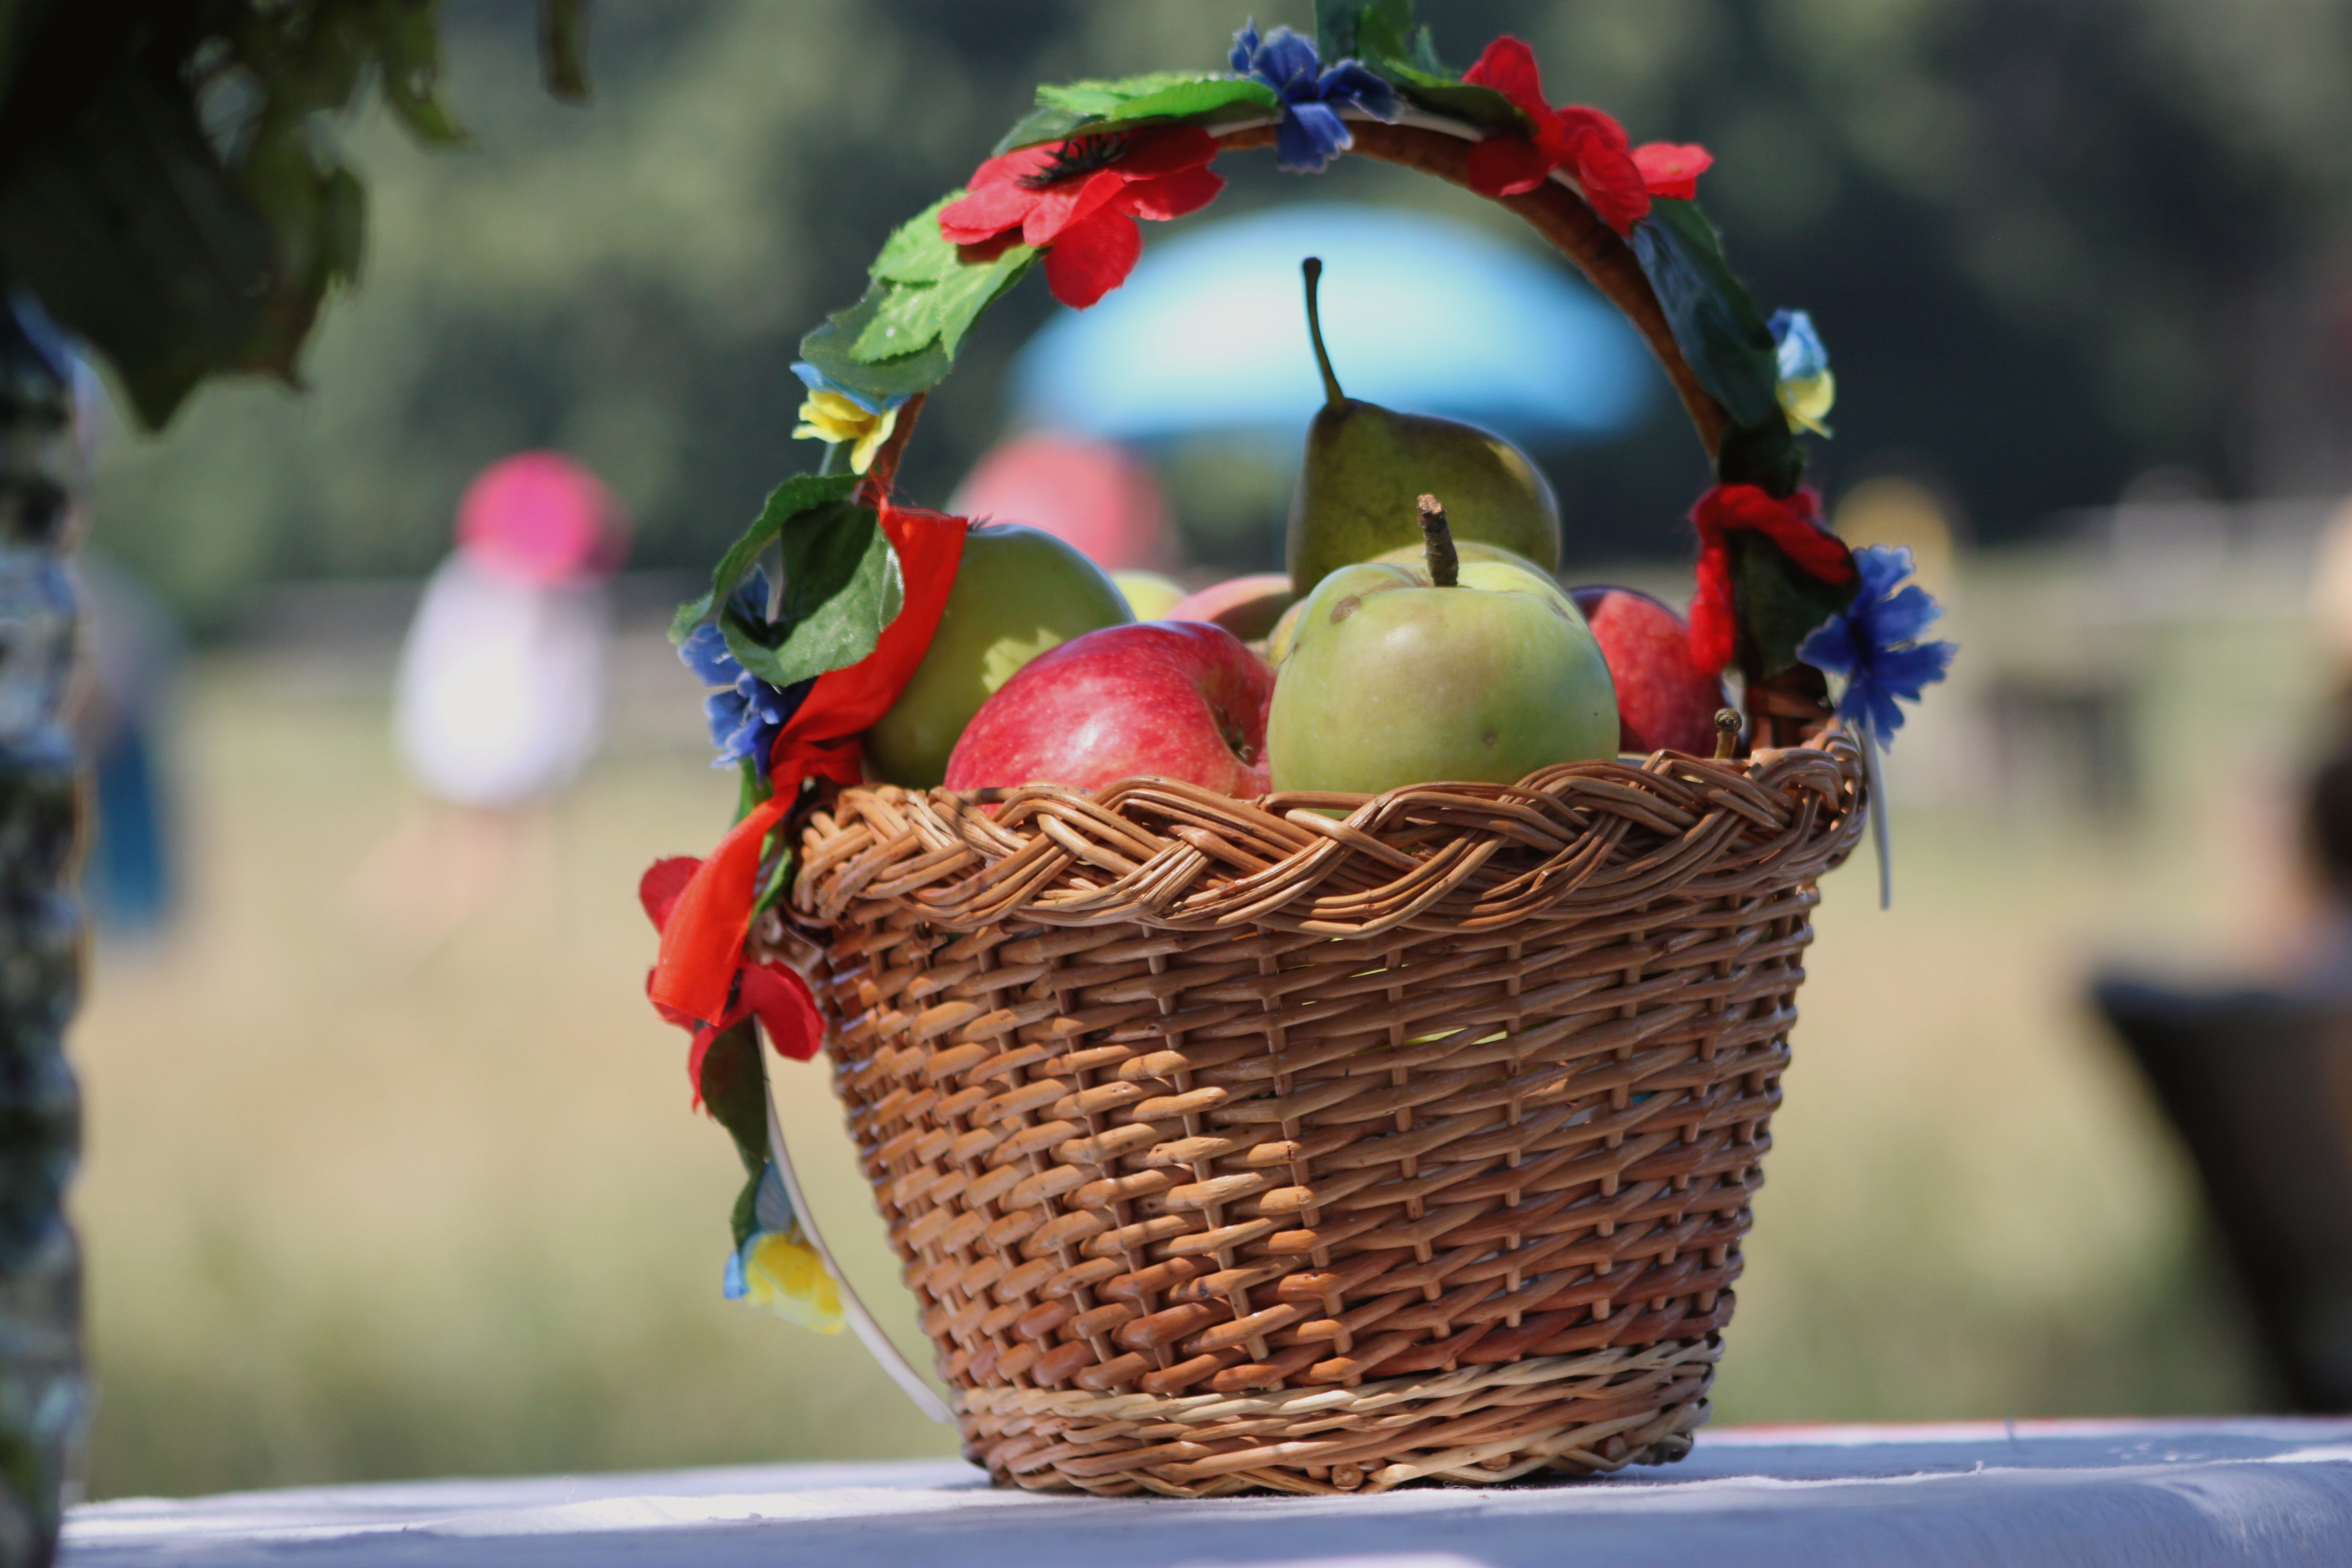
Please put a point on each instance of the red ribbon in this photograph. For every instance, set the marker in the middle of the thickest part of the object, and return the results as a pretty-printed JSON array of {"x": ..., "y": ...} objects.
[
  {"x": 702, "y": 940},
  {"x": 1793, "y": 522}
]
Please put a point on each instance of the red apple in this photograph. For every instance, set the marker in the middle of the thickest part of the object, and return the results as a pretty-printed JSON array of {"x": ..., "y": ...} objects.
[
  {"x": 1174, "y": 699},
  {"x": 1246, "y": 607},
  {"x": 1664, "y": 700}
]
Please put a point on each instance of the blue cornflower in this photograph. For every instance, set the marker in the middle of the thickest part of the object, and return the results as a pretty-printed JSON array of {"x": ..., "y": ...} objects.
[
  {"x": 746, "y": 713},
  {"x": 1807, "y": 390},
  {"x": 1311, "y": 133},
  {"x": 1799, "y": 344},
  {"x": 1873, "y": 643}
]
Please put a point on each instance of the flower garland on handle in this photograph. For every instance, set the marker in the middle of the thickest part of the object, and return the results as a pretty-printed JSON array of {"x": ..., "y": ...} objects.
[{"x": 702, "y": 941}]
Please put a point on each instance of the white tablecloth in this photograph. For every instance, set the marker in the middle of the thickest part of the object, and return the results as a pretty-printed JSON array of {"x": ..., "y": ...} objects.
[{"x": 2135, "y": 1495}]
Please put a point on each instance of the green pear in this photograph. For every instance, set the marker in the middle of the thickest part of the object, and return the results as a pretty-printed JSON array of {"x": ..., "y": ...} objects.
[
  {"x": 1018, "y": 592},
  {"x": 1397, "y": 675},
  {"x": 1365, "y": 465}
]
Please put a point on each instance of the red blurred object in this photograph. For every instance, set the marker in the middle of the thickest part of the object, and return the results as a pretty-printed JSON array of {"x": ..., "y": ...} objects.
[
  {"x": 1246, "y": 607},
  {"x": 1175, "y": 700},
  {"x": 1095, "y": 495},
  {"x": 541, "y": 517},
  {"x": 1666, "y": 699}
]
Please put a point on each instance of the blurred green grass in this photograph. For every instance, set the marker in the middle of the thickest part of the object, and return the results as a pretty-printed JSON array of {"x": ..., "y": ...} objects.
[{"x": 352, "y": 1211}]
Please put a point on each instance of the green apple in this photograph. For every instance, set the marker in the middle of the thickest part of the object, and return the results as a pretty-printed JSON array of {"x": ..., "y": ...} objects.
[
  {"x": 1018, "y": 592},
  {"x": 1150, "y": 595},
  {"x": 1285, "y": 631},
  {"x": 1453, "y": 670}
]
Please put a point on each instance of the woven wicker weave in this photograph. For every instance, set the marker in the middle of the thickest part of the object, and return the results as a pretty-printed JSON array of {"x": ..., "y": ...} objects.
[{"x": 1318, "y": 1142}]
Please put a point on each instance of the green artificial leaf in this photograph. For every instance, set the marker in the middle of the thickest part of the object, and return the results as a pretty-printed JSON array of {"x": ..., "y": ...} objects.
[
  {"x": 1203, "y": 98},
  {"x": 1483, "y": 107},
  {"x": 915, "y": 315},
  {"x": 842, "y": 587},
  {"x": 1345, "y": 29},
  {"x": 1384, "y": 36},
  {"x": 735, "y": 1088},
  {"x": 1777, "y": 603},
  {"x": 1767, "y": 455},
  {"x": 743, "y": 1221},
  {"x": 1715, "y": 322},
  {"x": 916, "y": 252},
  {"x": 828, "y": 347},
  {"x": 796, "y": 498},
  {"x": 1163, "y": 96}
]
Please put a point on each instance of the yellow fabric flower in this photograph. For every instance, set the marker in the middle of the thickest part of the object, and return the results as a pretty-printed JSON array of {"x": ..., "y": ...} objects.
[
  {"x": 782, "y": 1273},
  {"x": 829, "y": 417},
  {"x": 1807, "y": 401}
]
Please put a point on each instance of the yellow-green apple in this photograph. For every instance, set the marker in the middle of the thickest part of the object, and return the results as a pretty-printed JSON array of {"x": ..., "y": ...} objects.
[
  {"x": 1453, "y": 670},
  {"x": 1246, "y": 607},
  {"x": 1150, "y": 596},
  {"x": 1018, "y": 592},
  {"x": 1664, "y": 700},
  {"x": 1174, "y": 700},
  {"x": 1285, "y": 630}
]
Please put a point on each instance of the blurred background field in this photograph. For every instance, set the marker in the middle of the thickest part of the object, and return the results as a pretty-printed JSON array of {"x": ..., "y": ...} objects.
[{"x": 357, "y": 1207}]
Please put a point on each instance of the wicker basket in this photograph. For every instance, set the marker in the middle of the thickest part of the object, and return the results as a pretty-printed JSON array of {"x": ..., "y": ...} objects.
[{"x": 1235, "y": 1145}]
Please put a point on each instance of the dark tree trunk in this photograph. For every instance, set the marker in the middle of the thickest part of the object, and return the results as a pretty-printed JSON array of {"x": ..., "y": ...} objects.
[{"x": 42, "y": 1385}]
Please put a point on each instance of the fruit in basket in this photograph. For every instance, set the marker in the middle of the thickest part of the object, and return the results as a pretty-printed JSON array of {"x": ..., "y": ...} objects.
[
  {"x": 1365, "y": 465},
  {"x": 1150, "y": 596},
  {"x": 1480, "y": 671},
  {"x": 1178, "y": 699},
  {"x": 1278, "y": 641},
  {"x": 1664, "y": 700},
  {"x": 1018, "y": 592},
  {"x": 1246, "y": 607}
]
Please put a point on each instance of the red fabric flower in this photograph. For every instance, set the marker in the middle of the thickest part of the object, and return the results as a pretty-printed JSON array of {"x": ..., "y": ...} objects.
[
  {"x": 1793, "y": 522},
  {"x": 773, "y": 992},
  {"x": 1671, "y": 170},
  {"x": 1078, "y": 201},
  {"x": 1593, "y": 148}
]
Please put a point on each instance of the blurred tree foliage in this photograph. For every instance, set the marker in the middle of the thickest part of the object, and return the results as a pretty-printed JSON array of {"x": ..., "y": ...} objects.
[
  {"x": 2050, "y": 246},
  {"x": 168, "y": 188}
]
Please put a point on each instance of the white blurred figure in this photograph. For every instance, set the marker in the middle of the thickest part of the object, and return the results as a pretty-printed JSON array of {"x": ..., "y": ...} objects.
[{"x": 499, "y": 699}]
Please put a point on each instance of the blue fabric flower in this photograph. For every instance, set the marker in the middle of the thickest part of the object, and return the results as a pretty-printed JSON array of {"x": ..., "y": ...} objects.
[
  {"x": 746, "y": 713},
  {"x": 1873, "y": 643},
  {"x": 1311, "y": 133},
  {"x": 817, "y": 380},
  {"x": 1802, "y": 356}
]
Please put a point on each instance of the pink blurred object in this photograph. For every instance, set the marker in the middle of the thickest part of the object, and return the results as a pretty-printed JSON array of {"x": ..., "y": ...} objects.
[
  {"x": 1092, "y": 494},
  {"x": 541, "y": 517}
]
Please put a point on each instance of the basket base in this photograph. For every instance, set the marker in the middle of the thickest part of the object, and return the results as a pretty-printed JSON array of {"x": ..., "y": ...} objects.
[{"x": 1580, "y": 1414}]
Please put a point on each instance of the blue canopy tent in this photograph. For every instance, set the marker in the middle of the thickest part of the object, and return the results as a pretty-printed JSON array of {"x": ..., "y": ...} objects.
[{"x": 1422, "y": 313}]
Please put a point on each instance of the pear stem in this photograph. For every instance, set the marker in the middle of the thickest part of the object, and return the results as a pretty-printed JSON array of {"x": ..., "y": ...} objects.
[
  {"x": 1313, "y": 267},
  {"x": 1726, "y": 733},
  {"x": 1437, "y": 545}
]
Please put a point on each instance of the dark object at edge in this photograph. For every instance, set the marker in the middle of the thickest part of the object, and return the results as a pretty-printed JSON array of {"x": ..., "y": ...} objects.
[{"x": 2259, "y": 1085}]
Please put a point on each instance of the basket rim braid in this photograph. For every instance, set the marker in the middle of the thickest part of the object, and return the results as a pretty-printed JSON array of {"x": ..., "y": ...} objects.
[
  {"x": 1598, "y": 837},
  {"x": 1315, "y": 1142}
]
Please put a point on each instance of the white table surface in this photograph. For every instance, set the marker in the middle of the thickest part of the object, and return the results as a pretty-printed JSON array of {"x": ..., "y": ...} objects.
[{"x": 2132, "y": 1494}]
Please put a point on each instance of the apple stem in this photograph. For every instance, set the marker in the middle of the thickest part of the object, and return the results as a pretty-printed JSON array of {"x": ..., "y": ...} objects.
[
  {"x": 1313, "y": 267},
  {"x": 1726, "y": 733},
  {"x": 1437, "y": 545}
]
